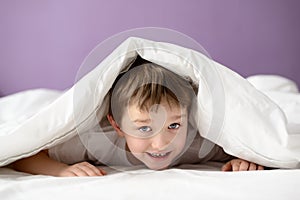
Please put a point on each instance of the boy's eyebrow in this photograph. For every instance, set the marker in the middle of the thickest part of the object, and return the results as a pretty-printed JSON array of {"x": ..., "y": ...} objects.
[
  {"x": 142, "y": 120},
  {"x": 175, "y": 117},
  {"x": 178, "y": 117}
]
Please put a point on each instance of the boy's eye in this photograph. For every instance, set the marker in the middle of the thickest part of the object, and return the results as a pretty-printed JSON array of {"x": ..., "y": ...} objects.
[
  {"x": 174, "y": 126},
  {"x": 145, "y": 129}
]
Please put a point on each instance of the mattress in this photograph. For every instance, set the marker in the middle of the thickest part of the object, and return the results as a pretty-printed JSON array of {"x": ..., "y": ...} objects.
[{"x": 186, "y": 182}]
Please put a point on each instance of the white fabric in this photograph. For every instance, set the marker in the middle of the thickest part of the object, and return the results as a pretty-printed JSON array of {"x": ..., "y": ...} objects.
[
  {"x": 253, "y": 128},
  {"x": 273, "y": 83},
  {"x": 17, "y": 108},
  {"x": 176, "y": 184},
  {"x": 285, "y": 94}
]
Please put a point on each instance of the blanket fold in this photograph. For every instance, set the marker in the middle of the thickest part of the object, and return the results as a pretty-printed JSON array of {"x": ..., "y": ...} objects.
[{"x": 249, "y": 121}]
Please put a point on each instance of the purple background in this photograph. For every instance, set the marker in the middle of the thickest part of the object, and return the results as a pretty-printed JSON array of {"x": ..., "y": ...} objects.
[{"x": 44, "y": 42}]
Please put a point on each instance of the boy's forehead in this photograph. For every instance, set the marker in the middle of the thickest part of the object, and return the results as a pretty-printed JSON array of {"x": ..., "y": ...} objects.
[
  {"x": 156, "y": 111},
  {"x": 169, "y": 104}
]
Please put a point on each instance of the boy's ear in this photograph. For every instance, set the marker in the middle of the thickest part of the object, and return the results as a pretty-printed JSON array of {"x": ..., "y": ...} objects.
[{"x": 115, "y": 125}]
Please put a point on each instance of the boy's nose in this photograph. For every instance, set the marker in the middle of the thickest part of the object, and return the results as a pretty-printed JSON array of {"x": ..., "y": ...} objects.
[{"x": 159, "y": 141}]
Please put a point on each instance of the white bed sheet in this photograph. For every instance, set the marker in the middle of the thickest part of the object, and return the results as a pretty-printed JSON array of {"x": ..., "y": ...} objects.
[{"x": 197, "y": 182}]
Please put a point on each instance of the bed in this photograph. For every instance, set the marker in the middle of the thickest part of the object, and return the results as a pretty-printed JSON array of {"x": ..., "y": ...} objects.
[
  {"x": 189, "y": 182},
  {"x": 271, "y": 133}
]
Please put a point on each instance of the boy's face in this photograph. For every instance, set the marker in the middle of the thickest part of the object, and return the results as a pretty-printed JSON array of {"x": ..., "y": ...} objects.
[{"x": 157, "y": 136}]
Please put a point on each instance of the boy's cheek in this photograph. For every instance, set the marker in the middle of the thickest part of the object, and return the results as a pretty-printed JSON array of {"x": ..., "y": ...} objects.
[{"x": 135, "y": 145}]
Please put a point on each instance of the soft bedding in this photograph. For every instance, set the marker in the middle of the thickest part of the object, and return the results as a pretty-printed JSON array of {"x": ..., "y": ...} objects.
[
  {"x": 230, "y": 112},
  {"x": 255, "y": 119},
  {"x": 192, "y": 182}
]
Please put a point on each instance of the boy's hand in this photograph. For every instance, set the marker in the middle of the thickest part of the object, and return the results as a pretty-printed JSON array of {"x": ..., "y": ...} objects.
[
  {"x": 241, "y": 165},
  {"x": 82, "y": 169}
]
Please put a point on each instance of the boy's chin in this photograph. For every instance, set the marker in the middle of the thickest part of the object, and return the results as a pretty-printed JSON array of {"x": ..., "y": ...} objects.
[{"x": 158, "y": 167}]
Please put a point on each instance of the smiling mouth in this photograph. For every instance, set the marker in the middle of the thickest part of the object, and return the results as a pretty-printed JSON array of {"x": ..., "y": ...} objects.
[{"x": 159, "y": 155}]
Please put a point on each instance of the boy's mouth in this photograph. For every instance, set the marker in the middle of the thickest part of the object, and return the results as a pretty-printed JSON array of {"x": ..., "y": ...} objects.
[{"x": 159, "y": 156}]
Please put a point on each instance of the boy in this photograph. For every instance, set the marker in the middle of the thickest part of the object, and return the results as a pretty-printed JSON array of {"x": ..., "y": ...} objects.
[{"x": 149, "y": 125}]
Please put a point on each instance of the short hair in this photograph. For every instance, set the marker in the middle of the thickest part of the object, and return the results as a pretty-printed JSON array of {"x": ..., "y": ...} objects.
[{"x": 146, "y": 85}]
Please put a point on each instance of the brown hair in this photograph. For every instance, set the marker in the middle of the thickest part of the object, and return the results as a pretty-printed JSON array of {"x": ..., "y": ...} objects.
[{"x": 148, "y": 84}]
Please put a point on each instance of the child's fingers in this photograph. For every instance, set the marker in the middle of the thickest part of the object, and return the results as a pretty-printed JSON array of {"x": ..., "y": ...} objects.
[
  {"x": 102, "y": 171},
  {"x": 68, "y": 174},
  {"x": 91, "y": 170},
  {"x": 244, "y": 165},
  {"x": 241, "y": 165},
  {"x": 260, "y": 167},
  {"x": 78, "y": 171},
  {"x": 85, "y": 169},
  {"x": 227, "y": 167},
  {"x": 253, "y": 166},
  {"x": 236, "y": 165}
]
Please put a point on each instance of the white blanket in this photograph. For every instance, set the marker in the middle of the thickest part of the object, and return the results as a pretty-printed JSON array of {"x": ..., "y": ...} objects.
[
  {"x": 231, "y": 112},
  {"x": 199, "y": 182}
]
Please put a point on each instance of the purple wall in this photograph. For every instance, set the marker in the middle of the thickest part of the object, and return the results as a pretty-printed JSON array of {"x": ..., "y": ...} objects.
[{"x": 42, "y": 43}]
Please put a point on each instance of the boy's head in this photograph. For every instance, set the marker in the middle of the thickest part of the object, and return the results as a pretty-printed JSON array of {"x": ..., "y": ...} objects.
[{"x": 149, "y": 107}]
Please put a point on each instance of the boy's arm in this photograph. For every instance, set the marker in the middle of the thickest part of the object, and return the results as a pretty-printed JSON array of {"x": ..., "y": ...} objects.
[{"x": 41, "y": 163}]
